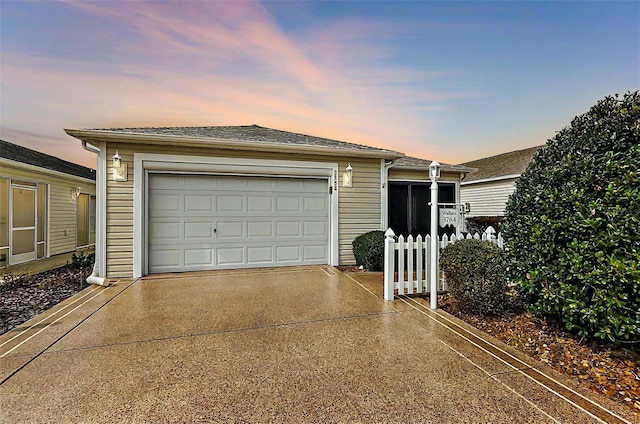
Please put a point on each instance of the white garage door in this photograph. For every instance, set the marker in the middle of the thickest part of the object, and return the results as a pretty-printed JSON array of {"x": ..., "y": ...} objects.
[{"x": 207, "y": 222}]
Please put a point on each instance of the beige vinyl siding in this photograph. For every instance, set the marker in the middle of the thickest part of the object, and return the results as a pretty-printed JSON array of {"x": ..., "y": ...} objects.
[
  {"x": 62, "y": 220},
  {"x": 359, "y": 206},
  {"x": 61, "y": 208},
  {"x": 487, "y": 199}
]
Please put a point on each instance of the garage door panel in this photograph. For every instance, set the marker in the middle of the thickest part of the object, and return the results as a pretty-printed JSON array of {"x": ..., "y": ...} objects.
[
  {"x": 166, "y": 230},
  {"x": 317, "y": 205},
  {"x": 165, "y": 258},
  {"x": 227, "y": 203},
  {"x": 198, "y": 257},
  {"x": 230, "y": 256},
  {"x": 260, "y": 255},
  {"x": 288, "y": 229},
  {"x": 256, "y": 229},
  {"x": 288, "y": 254},
  {"x": 198, "y": 230},
  {"x": 289, "y": 185},
  {"x": 231, "y": 229},
  {"x": 214, "y": 222},
  {"x": 261, "y": 185},
  {"x": 166, "y": 202},
  {"x": 317, "y": 229},
  {"x": 288, "y": 204},
  {"x": 166, "y": 182},
  {"x": 315, "y": 252},
  {"x": 194, "y": 203},
  {"x": 259, "y": 204}
]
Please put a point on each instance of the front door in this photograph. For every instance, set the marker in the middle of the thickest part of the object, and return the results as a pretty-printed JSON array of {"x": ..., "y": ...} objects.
[{"x": 23, "y": 224}]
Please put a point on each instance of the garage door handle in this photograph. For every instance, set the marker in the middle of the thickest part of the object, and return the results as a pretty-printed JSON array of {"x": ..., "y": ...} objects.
[{"x": 215, "y": 230}]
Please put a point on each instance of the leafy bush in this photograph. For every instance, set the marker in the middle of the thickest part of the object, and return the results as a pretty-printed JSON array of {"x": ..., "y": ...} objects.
[
  {"x": 80, "y": 260},
  {"x": 572, "y": 226},
  {"x": 368, "y": 249},
  {"x": 476, "y": 273},
  {"x": 14, "y": 279}
]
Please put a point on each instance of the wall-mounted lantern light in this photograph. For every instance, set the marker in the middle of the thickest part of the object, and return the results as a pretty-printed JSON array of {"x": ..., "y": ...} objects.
[
  {"x": 434, "y": 171},
  {"x": 347, "y": 177},
  {"x": 119, "y": 169},
  {"x": 75, "y": 193}
]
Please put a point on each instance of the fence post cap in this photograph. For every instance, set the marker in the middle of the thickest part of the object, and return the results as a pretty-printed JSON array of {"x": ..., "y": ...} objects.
[
  {"x": 389, "y": 233},
  {"x": 490, "y": 230}
]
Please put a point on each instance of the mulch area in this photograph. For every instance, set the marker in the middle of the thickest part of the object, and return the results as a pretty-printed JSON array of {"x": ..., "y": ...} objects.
[
  {"x": 613, "y": 372},
  {"x": 23, "y": 296}
]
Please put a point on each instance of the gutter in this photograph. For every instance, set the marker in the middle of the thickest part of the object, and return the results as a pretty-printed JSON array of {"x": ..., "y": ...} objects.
[{"x": 101, "y": 189}]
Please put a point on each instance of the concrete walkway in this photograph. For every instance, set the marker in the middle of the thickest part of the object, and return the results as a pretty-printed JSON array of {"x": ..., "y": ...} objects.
[{"x": 304, "y": 344}]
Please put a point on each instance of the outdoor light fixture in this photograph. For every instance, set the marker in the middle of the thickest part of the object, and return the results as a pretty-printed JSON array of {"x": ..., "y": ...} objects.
[
  {"x": 75, "y": 193},
  {"x": 434, "y": 171},
  {"x": 347, "y": 177},
  {"x": 117, "y": 160},
  {"x": 119, "y": 168}
]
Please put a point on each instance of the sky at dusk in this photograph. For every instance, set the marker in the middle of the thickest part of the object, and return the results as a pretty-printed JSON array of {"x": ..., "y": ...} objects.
[{"x": 451, "y": 81}]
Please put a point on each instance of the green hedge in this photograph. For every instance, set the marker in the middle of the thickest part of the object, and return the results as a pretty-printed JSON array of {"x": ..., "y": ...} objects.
[
  {"x": 368, "y": 249},
  {"x": 572, "y": 226},
  {"x": 476, "y": 274}
]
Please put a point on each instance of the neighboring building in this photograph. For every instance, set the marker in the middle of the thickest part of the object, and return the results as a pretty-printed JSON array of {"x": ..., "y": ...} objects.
[
  {"x": 488, "y": 188},
  {"x": 47, "y": 205},
  {"x": 201, "y": 198}
]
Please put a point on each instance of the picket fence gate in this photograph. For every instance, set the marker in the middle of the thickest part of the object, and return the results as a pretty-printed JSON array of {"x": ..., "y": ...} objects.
[{"x": 410, "y": 273}]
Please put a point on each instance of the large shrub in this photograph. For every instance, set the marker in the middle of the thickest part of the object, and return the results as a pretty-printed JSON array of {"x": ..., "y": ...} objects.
[
  {"x": 572, "y": 225},
  {"x": 476, "y": 274},
  {"x": 368, "y": 249}
]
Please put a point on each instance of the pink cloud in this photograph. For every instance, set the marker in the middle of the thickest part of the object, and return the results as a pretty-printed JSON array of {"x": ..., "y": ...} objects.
[{"x": 226, "y": 63}]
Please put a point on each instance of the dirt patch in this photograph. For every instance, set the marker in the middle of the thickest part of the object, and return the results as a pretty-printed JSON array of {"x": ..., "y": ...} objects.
[{"x": 613, "y": 372}]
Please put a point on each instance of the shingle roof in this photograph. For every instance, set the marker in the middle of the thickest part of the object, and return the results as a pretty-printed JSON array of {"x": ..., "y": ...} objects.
[
  {"x": 253, "y": 133},
  {"x": 510, "y": 163},
  {"x": 409, "y": 162},
  {"x": 31, "y": 157}
]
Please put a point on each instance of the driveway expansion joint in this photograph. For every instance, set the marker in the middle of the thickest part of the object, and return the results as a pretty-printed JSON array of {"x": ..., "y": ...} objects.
[{"x": 211, "y": 333}]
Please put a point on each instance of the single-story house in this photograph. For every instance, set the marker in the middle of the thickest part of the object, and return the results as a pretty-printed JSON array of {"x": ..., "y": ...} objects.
[
  {"x": 202, "y": 198},
  {"x": 47, "y": 205},
  {"x": 488, "y": 187}
]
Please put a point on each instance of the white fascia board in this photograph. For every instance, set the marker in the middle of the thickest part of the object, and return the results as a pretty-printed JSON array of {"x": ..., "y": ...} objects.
[
  {"x": 45, "y": 171},
  {"x": 230, "y": 144},
  {"x": 492, "y": 179},
  {"x": 161, "y": 163}
]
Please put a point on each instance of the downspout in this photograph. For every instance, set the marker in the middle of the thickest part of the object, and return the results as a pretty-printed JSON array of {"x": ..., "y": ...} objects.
[{"x": 97, "y": 276}]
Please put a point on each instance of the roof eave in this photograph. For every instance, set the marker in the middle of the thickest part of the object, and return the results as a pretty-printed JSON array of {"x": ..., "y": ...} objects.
[
  {"x": 491, "y": 179},
  {"x": 43, "y": 170},
  {"x": 443, "y": 168},
  {"x": 95, "y": 136}
]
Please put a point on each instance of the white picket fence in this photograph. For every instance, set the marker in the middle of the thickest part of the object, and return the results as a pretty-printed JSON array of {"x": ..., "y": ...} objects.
[{"x": 411, "y": 272}]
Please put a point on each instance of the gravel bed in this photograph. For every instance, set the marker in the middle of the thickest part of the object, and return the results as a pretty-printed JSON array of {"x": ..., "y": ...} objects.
[{"x": 24, "y": 296}]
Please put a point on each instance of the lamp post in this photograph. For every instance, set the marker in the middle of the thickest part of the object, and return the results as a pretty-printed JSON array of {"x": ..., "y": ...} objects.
[{"x": 434, "y": 174}]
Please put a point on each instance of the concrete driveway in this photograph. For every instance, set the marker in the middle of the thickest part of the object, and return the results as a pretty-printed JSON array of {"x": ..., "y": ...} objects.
[{"x": 304, "y": 344}]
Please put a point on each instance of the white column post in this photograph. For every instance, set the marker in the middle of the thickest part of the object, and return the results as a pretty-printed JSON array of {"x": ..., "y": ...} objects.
[
  {"x": 434, "y": 173},
  {"x": 389, "y": 265}
]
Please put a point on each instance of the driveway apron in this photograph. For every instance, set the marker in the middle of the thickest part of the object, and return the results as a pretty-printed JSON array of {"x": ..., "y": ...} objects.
[{"x": 303, "y": 344}]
